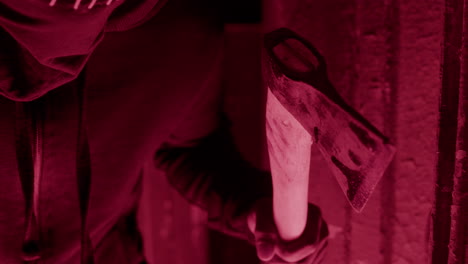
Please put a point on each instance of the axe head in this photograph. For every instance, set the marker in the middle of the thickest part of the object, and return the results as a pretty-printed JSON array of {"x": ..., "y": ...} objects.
[{"x": 355, "y": 151}]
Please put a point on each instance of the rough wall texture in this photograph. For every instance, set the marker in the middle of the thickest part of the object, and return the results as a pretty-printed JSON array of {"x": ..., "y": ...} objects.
[{"x": 421, "y": 35}]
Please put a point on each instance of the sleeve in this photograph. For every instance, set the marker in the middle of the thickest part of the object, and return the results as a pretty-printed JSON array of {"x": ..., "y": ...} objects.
[{"x": 202, "y": 163}]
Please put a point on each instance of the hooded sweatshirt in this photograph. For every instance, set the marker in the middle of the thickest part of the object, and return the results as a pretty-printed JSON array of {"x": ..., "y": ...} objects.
[{"x": 94, "y": 99}]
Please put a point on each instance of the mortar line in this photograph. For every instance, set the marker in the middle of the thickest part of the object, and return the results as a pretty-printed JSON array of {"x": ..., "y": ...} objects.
[
  {"x": 448, "y": 111},
  {"x": 387, "y": 195}
]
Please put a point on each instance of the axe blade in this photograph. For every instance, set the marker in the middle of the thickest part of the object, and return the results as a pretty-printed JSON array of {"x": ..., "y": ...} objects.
[
  {"x": 357, "y": 156},
  {"x": 356, "y": 152}
]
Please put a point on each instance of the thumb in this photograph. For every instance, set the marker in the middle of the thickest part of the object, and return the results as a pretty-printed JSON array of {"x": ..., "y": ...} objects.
[
  {"x": 265, "y": 248},
  {"x": 252, "y": 222},
  {"x": 264, "y": 242}
]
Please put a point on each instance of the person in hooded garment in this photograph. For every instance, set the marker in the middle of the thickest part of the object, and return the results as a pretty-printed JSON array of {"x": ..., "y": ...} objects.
[{"x": 92, "y": 93}]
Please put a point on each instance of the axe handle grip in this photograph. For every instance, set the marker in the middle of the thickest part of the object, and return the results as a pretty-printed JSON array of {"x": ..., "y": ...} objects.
[
  {"x": 290, "y": 206},
  {"x": 289, "y": 146}
]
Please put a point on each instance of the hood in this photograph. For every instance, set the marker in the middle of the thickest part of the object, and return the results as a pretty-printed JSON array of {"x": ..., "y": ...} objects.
[{"x": 44, "y": 47}]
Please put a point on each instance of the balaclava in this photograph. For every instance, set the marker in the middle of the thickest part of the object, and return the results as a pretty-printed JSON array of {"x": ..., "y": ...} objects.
[{"x": 46, "y": 43}]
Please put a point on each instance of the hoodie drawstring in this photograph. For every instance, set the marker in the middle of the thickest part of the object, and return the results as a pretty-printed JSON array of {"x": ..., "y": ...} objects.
[
  {"x": 83, "y": 173},
  {"x": 24, "y": 155},
  {"x": 28, "y": 114}
]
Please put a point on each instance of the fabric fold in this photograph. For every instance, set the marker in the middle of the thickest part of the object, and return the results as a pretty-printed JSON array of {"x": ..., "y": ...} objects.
[{"x": 51, "y": 45}]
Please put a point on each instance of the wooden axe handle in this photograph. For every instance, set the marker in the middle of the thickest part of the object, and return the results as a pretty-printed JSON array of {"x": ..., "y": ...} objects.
[{"x": 289, "y": 146}]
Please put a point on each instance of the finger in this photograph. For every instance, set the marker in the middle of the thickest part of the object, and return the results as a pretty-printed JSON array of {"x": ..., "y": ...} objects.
[
  {"x": 265, "y": 249},
  {"x": 324, "y": 231},
  {"x": 261, "y": 223},
  {"x": 317, "y": 260},
  {"x": 264, "y": 217},
  {"x": 316, "y": 230},
  {"x": 322, "y": 247},
  {"x": 297, "y": 255},
  {"x": 305, "y": 245},
  {"x": 307, "y": 251},
  {"x": 318, "y": 256},
  {"x": 252, "y": 222}
]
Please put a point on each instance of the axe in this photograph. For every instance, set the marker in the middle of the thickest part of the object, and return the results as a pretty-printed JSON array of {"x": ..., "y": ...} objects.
[{"x": 304, "y": 108}]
